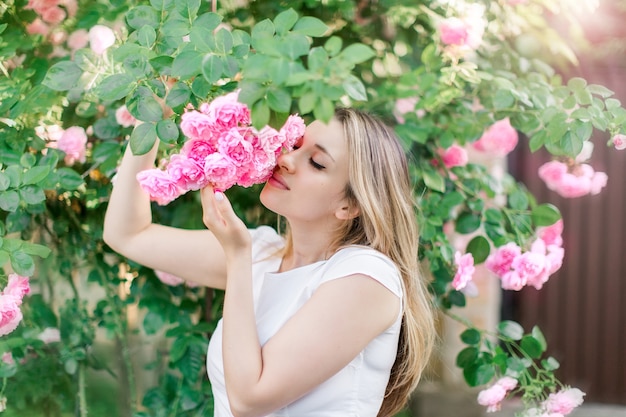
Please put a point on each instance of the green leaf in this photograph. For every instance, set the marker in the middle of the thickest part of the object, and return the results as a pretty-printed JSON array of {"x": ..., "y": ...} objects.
[
  {"x": 324, "y": 109},
  {"x": 260, "y": 113},
  {"x": 69, "y": 179},
  {"x": 188, "y": 8},
  {"x": 4, "y": 181},
  {"x": 153, "y": 322},
  {"x": 354, "y": 88},
  {"x": 479, "y": 248},
  {"x": 223, "y": 41},
  {"x": 32, "y": 194},
  {"x": 479, "y": 375},
  {"x": 457, "y": 298},
  {"x": 146, "y": 36},
  {"x": 285, "y": 21},
  {"x": 143, "y": 138},
  {"x": 34, "y": 175},
  {"x": 310, "y": 26},
  {"x": 306, "y": 103},
  {"x": 503, "y": 99},
  {"x": 518, "y": 200},
  {"x": 178, "y": 95},
  {"x": 279, "y": 100},
  {"x": 140, "y": 16},
  {"x": 576, "y": 84},
  {"x": 212, "y": 67},
  {"x": 294, "y": 45},
  {"x": 539, "y": 337},
  {"x": 434, "y": 180},
  {"x": 143, "y": 106},
  {"x": 333, "y": 45},
  {"x": 471, "y": 337},
  {"x": 179, "y": 348},
  {"x": 28, "y": 160},
  {"x": 550, "y": 364},
  {"x": 187, "y": 64},
  {"x": 545, "y": 215},
  {"x": 531, "y": 346},
  {"x": 357, "y": 53},
  {"x": 115, "y": 87},
  {"x": 22, "y": 263},
  {"x": 467, "y": 357},
  {"x": 9, "y": 200},
  {"x": 511, "y": 329},
  {"x": 62, "y": 76},
  {"x": 467, "y": 222},
  {"x": 162, "y": 64},
  {"x": 167, "y": 130},
  {"x": 35, "y": 249}
]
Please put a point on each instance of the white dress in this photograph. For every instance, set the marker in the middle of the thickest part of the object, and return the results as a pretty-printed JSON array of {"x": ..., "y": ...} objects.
[{"x": 358, "y": 389}]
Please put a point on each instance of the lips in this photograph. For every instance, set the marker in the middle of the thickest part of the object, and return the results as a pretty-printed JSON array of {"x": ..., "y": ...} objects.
[{"x": 277, "y": 180}]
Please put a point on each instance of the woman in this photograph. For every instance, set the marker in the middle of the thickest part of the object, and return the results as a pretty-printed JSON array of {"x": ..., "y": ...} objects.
[{"x": 332, "y": 320}]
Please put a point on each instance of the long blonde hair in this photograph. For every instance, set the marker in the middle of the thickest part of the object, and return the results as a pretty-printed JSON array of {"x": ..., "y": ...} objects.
[{"x": 379, "y": 185}]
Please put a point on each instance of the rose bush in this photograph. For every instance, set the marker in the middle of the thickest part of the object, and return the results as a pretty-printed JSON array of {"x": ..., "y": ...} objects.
[{"x": 450, "y": 77}]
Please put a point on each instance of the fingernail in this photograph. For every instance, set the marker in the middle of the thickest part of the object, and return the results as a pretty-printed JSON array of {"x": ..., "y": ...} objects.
[{"x": 219, "y": 196}]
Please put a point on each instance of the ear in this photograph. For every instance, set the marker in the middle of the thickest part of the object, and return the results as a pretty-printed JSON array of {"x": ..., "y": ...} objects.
[{"x": 347, "y": 212}]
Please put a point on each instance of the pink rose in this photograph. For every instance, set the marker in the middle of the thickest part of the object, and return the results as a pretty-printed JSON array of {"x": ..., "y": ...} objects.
[
  {"x": 529, "y": 265},
  {"x": 123, "y": 117},
  {"x": 492, "y": 397},
  {"x": 269, "y": 140},
  {"x": 572, "y": 186},
  {"x": 74, "y": 143},
  {"x": 196, "y": 125},
  {"x": 70, "y": 5},
  {"x": 159, "y": 186},
  {"x": 507, "y": 383},
  {"x": 404, "y": 106},
  {"x": 499, "y": 139},
  {"x": 598, "y": 182},
  {"x": 512, "y": 280},
  {"x": 10, "y": 314},
  {"x": 551, "y": 235},
  {"x": 552, "y": 173},
  {"x": 221, "y": 171},
  {"x": 564, "y": 401},
  {"x": 619, "y": 141},
  {"x": 454, "y": 156},
  {"x": 453, "y": 31},
  {"x": 292, "y": 130},
  {"x": 7, "y": 358},
  {"x": 186, "y": 172},
  {"x": 198, "y": 149},
  {"x": 50, "y": 335},
  {"x": 78, "y": 39},
  {"x": 37, "y": 27},
  {"x": 233, "y": 145},
  {"x": 101, "y": 38},
  {"x": 168, "y": 279},
  {"x": 465, "y": 270},
  {"x": 499, "y": 262},
  {"x": 17, "y": 287},
  {"x": 226, "y": 112},
  {"x": 53, "y": 15}
]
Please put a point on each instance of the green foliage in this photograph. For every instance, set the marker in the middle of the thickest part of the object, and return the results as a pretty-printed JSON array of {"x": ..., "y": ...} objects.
[{"x": 304, "y": 59}]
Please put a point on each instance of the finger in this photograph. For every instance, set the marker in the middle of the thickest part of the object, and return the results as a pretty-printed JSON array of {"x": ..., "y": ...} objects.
[
  {"x": 224, "y": 206},
  {"x": 211, "y": 216}
]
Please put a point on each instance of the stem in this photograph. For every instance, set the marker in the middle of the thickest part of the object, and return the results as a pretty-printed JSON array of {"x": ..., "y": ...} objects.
[
  {"x": 174, "y": 409},
  {"x": 82, "y": 387}
]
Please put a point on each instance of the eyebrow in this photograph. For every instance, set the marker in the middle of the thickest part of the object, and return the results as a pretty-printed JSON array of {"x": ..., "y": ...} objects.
[{"x": 323, "y": 149}]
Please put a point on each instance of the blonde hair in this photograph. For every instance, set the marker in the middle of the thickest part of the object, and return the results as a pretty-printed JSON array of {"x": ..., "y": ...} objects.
[{"x": 379, "y": 186}]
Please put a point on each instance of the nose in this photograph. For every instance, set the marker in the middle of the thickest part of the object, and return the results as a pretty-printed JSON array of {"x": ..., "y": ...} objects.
[{"x": 285, "y": 161}]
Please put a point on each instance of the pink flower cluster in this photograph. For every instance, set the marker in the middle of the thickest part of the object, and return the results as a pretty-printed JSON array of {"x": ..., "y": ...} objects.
[
  {"x": 499, "y": 139},
  {"x": 223, "y": 149},
  {"x": 465, "y": 270},
  {"x": 558, "y": 404},
  {"x": 52, "y": 11},
  {"x": 461, "y": 35},
  {"x": 72, "y": 141},
  {"x": 10, "y": 301},
  {"x": 492, "y": 397},
  {"x": 576, "y": 181},
  {"x": 516, "y": 268}
]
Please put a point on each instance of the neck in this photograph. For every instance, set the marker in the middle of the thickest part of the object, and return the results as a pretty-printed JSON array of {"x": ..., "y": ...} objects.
[{"x": 309, "y": 245}]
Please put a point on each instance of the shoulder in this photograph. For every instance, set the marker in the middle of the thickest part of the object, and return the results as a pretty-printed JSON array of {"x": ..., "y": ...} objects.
[{"x": 364, "y": 260}]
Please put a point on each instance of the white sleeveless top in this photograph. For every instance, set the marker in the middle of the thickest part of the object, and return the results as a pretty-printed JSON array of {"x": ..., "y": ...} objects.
[{"x": 358, "y": 389}]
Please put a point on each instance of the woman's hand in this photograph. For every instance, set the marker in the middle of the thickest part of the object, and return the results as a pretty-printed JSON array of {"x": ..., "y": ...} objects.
[{"x": 219, "y": 217}]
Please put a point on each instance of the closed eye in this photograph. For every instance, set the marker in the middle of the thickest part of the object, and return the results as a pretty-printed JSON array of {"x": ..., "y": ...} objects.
[{"x": 316, "y": 165}]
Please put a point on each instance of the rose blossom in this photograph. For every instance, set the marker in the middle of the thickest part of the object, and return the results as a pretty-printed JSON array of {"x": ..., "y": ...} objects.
[
  {"x": 551, "y": 235},
  {"x": 196, "y": 125},
  {"x": 465, "y": 270},
  {"x": 221, "y": 170},
  {"x": 598, "y": 182},
  {"x": 453, "y": 31},
  {"x": 123, "y": 117},
  {"x": 53, "y": 15},
  {"x": 78, "y": 39},
  {"x": 454, "y": 156},
  {"x": 619, "y": 141},
  {"x": 552, "y": 173},
  {"x": 529, "y": 265},
  {"x": 188, "y": 173},
  {"x": 7, "y": 358},
  {"x": 492, "y": 397},
  {"x": 50, "y": 335},
  {"x": 101, "y": 38},
  {"x": 226, "y": 112},
  {"x": 159, "y": 185},
  {"x": 507, "y": 383},
  {"x": 499, "y": 262},
  {"x": 293, "y": 129},
  {"x": 499, "y": 139},
  {"x": 10, "y": 314},
  {"x": 404, "y": 106},
  {"x": 37, "y": 27},
  {"x": 17, "y": 287},
  {"x": 73, "y": 142},
  {"x": 564, "y": 401},
  {"x": 235, "y": 147}
]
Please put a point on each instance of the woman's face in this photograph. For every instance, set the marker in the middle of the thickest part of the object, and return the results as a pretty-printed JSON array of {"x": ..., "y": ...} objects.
[{"x": 309, "y": 182}]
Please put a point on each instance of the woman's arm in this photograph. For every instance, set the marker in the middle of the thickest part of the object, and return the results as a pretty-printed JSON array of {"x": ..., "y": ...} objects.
[{"x": 194, "y": 255}]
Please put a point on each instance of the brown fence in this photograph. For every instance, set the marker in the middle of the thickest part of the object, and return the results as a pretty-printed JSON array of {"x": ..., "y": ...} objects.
[{"x": 582, "y": 309}]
